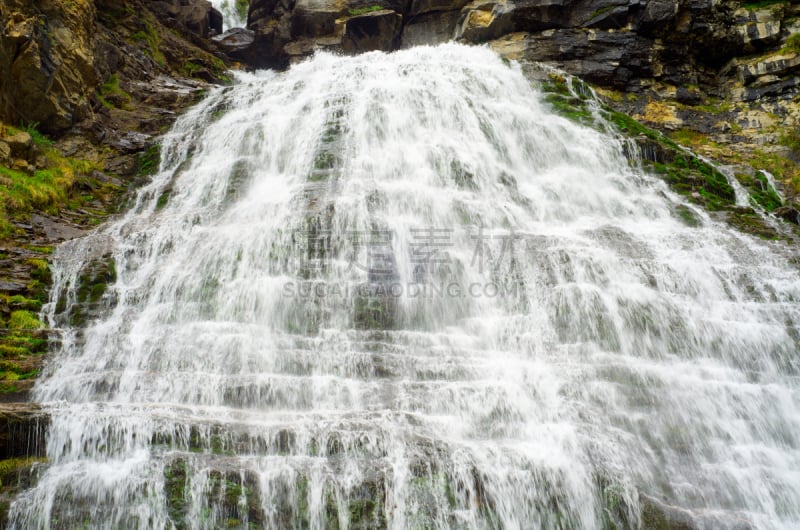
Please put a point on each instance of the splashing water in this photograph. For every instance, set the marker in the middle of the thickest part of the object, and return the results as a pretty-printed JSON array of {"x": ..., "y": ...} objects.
[{"x": 399, "y": 291}]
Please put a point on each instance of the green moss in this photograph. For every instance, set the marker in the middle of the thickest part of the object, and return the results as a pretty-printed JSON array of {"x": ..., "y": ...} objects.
[
  {"x": 762, "y": 194},
  {"x": 763, "y": 3},
  {"x": 598, "y": 12},
  {"x": 111, "y": 89},
  {"x": 363, "y": 10},
  {"x": 242, "y": 7},
  {"x": 149, "y": 160},
  {"x": 11, "y": 468},
  {"x": 152, "y": 39},
  {"x": 686, "y": 215},
  {"x": 24, "y": 320},
  {"x": 163, "y": 199},
  {"x": 175, "y": 484},
  {"x": 325, "y": 160},
  {"x": 49, "y": 189}
]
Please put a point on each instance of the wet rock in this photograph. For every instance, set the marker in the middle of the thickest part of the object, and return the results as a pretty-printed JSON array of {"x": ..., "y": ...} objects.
[
  {"x": 22, "y": 430},
  {"x": 56, "y": 229},
  {"x": 379, "y": 30},
  {"x": 430, "y": 28},
  {"x": 237, "y": 43},
  {"x": 789, "y": 213}
]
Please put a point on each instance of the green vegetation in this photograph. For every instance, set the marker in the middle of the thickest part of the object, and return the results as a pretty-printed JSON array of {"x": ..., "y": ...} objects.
[
  {"x": 11, "y": 468},
  {"x": 763, "y": 3},
  {"x": 364, "y": 10},
  {"x": 686, "y": 173},
  {"x": 149, "y": 160},
  {"x": 598, "y": 12},
  {"x": 563, "y": 101},
  {"x": 153, "y": 41},
  {"x": 792, "y": 44},
  {"x": 24, "y": 320},
  {"x": 111, "y": 90},
  {"x": 49, "y": 189},
  {"x": 37, "y": 137}
]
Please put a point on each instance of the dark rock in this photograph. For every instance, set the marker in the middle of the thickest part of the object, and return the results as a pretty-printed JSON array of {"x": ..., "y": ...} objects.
[
  {"x": 196, "y": 17},
  {"x": 22, "y": 430},
  {"x": 608, "y": 58},
  {"x": 430, "y": 28},
  {"x": 237, "y": 43},
  {"x": 379, "y": 30},
  {"x": 419, "y": 7},
  {"x": 789, "y": 213},
  {"x": 215, "y": 20},
  {"x": 657, "y": 14}
]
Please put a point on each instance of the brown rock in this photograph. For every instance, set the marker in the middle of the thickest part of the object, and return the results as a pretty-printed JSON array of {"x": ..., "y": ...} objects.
[
  {"x": 5, "y": 153},
  {"x": 46, "y": 56},
  {"x": 20, "y": 144},
  {"x": 22, "y": 165},
  {"x": 379, "y": 30}
]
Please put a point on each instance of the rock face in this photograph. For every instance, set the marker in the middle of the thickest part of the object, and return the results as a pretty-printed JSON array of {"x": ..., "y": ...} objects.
[
  {"x": 378, "y": 30},
  {"x": 198, "y": 16},
  {"x": 46, "y": 59},
  {"x": 22, "y": 430}
]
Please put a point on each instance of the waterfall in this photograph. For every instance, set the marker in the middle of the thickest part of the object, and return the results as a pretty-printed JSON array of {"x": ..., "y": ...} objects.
[
  {"x": 234, "y": 12},
  {"x": 399, "y": 291}
]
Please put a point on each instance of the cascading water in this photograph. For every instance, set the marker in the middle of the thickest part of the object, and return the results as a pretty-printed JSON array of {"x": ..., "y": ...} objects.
[
  {"x": 234, "y": 12},
  {"x": 398, "y": 291}
]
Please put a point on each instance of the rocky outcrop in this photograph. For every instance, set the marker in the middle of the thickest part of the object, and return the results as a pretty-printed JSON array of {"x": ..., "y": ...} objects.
[
  {"x": 54, "y": 55},
  {"x": 197, "y": 17},
  {"x": 86, "y": 86},
  {"x": 46, "y": 62},
  {"x": 22, "y": 430}
]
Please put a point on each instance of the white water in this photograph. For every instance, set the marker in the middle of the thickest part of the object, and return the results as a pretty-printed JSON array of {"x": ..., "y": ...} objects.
[
  {"x": 233, "y": 15},
  {"x": 640, "y": 355}
]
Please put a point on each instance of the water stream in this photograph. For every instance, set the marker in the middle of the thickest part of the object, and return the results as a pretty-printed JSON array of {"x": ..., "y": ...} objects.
[{"x": 399, "y": 291}]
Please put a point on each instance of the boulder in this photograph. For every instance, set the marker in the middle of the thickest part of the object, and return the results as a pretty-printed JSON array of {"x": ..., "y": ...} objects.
[
  {"x": 314, "y": 18},
  {"x": 237, "y": 43},
  {"x": 378, "y": 30},
  {"x": 20, "y": 144},
  {"x": 215, "y": 20},
  {"x": 194, "y": 16},
  {"x": 5, "y": 153}
]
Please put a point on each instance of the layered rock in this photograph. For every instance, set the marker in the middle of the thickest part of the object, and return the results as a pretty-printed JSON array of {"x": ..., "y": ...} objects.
[{"x": 46, "y": 62}]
